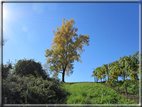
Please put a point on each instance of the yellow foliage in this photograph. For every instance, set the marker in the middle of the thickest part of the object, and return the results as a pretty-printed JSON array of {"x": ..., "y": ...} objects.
[{"x": 65, "y": 45}]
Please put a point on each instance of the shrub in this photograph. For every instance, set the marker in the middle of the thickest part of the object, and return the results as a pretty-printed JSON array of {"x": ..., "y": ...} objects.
[
  {"x": 25, "y": 67},
  {"x": 31, "y": 90}
]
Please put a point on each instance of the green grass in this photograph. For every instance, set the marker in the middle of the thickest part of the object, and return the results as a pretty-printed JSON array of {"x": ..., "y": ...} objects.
[
  {"x": 31, "y": 90},
  {"x": 93, "y": 93},
  {"x": 132, "y": 89}
]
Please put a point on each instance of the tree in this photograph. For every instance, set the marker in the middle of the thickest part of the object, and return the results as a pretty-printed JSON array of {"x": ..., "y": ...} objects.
[
  {"x": 133, "y": 69},
  {"x": 112, "y": 71},
  {"x": 129, "y": 66},
  {"x": 94, "y": 75},
  {"x": 124, "y": 64},
  {"x": 134, "y": 66},
  {"x": 7, "y": 67},
  {"x": 116, "y": 70},
  {"x": 6, "y": 70},
  {"x": 26, "y": 67},
  {"x": 102, "y": 71},
  {"x": 106, "y": 70},
  {"x": 66, "y": 47},
  {"x": 99, "y": 73}
]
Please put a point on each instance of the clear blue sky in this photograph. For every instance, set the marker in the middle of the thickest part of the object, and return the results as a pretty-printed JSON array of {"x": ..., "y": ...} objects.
[{"x": 113, "y": 29}]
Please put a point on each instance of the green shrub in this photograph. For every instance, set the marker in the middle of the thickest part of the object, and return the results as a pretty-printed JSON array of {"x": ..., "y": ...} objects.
[
  {"x": 25, "y": 67},
  {"x": 31, "y": 90}
]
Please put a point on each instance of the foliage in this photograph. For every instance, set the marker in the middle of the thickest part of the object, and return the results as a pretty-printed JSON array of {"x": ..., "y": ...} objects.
[
  {"x": 66, "y": 47},
  {"x": 131, "y": 88},
  {"x": 106, "y": 70},
  {"x": 6, "y": 70},
  {"x": 127, "y": 66},
  {"x": 25, "y": 67},
  {"x": 114, "y": 70},
  {"x": 31, "y": 90}
]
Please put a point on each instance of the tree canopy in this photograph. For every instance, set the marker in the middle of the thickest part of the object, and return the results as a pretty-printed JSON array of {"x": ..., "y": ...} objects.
[
  {"x": 127, "y": 66},
  {"x": 25, "y": 67},
  {"x": 6, "y": 70},
  {"x": 67, "y": 46}
]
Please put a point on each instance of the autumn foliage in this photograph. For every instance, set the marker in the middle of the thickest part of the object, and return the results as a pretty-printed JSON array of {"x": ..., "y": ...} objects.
[{"x": 66, "y": 47}]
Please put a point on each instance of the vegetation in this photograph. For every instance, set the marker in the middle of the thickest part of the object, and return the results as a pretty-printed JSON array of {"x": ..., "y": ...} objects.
[
  {"x": 65, "y": 45},
  {"x": 132, "y": 93},
  {"x": 31, "y": 90},
  {"x": 127, "y": 66},
  {"x": 93, "y": 93},
  {"x": 26, "y": 67},
  {"x": 6, "y": 70},
  {"x": 28, "y": 83}
]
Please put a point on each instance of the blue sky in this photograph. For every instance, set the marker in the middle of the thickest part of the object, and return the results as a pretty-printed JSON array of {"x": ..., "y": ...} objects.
[{"x": 113, "y": 29}]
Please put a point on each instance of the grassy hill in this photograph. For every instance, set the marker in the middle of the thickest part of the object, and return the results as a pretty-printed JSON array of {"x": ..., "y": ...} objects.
[
  {"x": 32, "y": 90},
  {"x": 97, "y": 93}
]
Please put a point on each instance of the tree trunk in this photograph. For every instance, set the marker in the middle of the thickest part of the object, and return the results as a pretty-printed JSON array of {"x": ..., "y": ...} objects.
[
  {"x": 126, "y": 87},
  {"x": 94, "y": 79},
  {"x": 123, "y": 77},
  {"x": 123, "y": 82},
  {"x": 63, "y": 74},
  {"x": 137, "y": 90}
]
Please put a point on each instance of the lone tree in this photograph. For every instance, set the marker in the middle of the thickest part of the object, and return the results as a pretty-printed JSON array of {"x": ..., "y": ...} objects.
[{"x": 66, "y": 47}]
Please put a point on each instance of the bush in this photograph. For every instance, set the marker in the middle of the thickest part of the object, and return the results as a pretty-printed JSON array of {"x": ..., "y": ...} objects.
[
  {"x": 25, "y": 67},
  {"x": 31, "y": 90}
]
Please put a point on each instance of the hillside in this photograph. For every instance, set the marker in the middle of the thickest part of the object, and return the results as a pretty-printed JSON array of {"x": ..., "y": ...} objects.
[
  {"x": 33, "y": 90},
  {"x": 96, "y": 93}
]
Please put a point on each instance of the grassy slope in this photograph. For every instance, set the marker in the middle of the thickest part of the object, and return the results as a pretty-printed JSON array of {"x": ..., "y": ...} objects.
[
  {"x": 131, "y": 91},
  {"x": 93, "y": 93}
]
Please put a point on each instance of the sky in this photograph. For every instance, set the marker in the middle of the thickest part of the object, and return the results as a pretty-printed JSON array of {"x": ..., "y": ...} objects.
[{"x": 113, "y": 29}]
